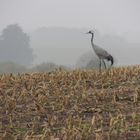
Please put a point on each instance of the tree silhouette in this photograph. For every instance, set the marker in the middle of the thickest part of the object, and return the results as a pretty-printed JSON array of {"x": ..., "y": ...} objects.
[
  {"x": 88, "y": 60},
  {"x": 15, "y": 46}
]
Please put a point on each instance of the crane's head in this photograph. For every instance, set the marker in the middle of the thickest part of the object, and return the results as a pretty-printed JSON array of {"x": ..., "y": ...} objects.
[{"x": 90, "y": 32}]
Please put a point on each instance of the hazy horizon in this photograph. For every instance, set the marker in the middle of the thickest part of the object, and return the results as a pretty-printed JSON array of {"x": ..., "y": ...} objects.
[{"x": 108, "y": 17}]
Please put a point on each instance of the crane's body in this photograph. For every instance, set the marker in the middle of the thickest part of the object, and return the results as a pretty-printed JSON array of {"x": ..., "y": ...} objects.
[{"x": 101, "y": 53}]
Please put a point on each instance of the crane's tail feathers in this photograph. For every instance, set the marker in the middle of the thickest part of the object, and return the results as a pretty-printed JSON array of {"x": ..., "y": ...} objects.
[{"x": 110, "y": 58}]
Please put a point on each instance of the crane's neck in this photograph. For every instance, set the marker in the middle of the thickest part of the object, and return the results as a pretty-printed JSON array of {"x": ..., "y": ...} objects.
[{"x": 92, "y": 40}]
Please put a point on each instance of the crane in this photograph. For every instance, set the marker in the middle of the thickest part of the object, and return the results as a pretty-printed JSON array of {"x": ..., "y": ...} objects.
[{"x": 101, "y": 53}]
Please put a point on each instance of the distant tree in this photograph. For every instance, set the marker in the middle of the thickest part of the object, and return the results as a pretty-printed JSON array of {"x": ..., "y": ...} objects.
[
  {"x": 15, "y": 46},
  {"x": 47, "y": 67},
  {"x": 43, "y": 67},
  {"x": 10, "y": 67},
  {"x": 88, "y": 60}
]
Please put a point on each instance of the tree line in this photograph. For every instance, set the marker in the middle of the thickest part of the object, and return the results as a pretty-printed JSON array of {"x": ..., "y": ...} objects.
[{"x": 15, "y": 46}]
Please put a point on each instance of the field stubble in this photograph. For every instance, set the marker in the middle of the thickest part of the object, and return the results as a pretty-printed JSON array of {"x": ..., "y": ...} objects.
[{"x": 71, "y": 105}]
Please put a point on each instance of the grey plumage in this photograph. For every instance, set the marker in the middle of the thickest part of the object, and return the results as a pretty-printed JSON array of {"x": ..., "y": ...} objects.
[{"x": 101, "y": 53}]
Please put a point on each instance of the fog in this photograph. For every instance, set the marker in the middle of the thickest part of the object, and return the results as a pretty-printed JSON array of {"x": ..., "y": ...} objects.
[
  {"x": 57, "y": 27},
  {"x": 107, "y": 15}
]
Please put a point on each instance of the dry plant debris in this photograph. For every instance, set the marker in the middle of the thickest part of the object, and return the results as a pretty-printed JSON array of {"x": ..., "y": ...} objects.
[{"x": 71, "y": 105}]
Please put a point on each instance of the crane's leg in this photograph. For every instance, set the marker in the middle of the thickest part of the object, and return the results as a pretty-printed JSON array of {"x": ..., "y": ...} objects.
[
  {"x": 104, "y": 64},
  {"x": 100, "y": 65}
]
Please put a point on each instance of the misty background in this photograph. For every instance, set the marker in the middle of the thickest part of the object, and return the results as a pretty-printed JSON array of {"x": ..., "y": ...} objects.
[{"x": 53, "y": 32}]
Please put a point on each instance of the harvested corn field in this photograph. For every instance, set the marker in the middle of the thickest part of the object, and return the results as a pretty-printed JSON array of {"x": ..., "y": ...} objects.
[{"x": 74, "y": 105}]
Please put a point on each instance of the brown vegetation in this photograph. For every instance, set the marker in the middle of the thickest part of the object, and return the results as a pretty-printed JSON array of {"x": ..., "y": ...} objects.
[{"x": 76, "y": 105}]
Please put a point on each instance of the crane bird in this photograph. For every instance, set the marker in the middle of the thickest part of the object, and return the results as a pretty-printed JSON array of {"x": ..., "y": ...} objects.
[{"x": 101, "y": 53}]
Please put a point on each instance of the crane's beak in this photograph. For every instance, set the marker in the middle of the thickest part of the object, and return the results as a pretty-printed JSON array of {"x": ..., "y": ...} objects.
[{"x": 87, "y": 33}]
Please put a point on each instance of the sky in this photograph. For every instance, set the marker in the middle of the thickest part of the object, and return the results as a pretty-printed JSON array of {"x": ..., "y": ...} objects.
[{"x": 118, "y": 16}]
